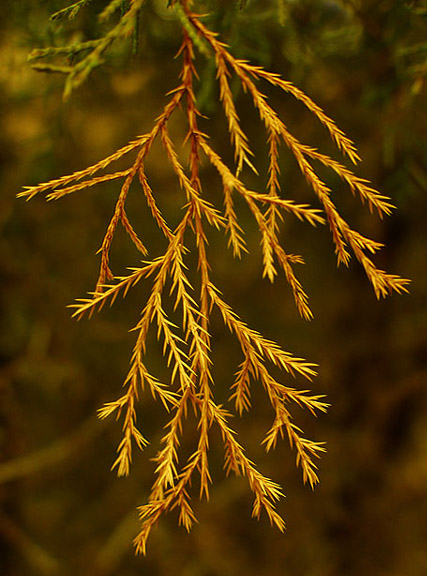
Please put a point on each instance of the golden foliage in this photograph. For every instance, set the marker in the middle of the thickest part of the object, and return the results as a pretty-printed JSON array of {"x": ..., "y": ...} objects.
[{"x": 187, "y": 347}]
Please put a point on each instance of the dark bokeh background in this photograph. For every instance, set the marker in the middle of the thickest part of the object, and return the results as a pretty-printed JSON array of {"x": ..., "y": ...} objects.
[{"x": 61, "y": 510}]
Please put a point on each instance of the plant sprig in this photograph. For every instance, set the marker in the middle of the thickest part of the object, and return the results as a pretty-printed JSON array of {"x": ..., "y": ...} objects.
[
  {"x": 84, "y": 57},
  {"x": 186, "y": 341}
]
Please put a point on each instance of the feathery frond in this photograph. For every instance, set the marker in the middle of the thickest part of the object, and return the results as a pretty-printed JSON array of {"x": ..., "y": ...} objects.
[{"x": 187, "y": 343}]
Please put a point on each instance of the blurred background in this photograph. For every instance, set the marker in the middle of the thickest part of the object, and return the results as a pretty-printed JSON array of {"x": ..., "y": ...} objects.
[{"x": 62, "y": 511}]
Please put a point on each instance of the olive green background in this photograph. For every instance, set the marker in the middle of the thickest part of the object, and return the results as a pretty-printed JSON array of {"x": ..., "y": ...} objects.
[{"x": 61, "y": 509}]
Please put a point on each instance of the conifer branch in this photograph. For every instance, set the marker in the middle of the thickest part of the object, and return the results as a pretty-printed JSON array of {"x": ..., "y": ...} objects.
[{"x": 178, "y": 313}]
